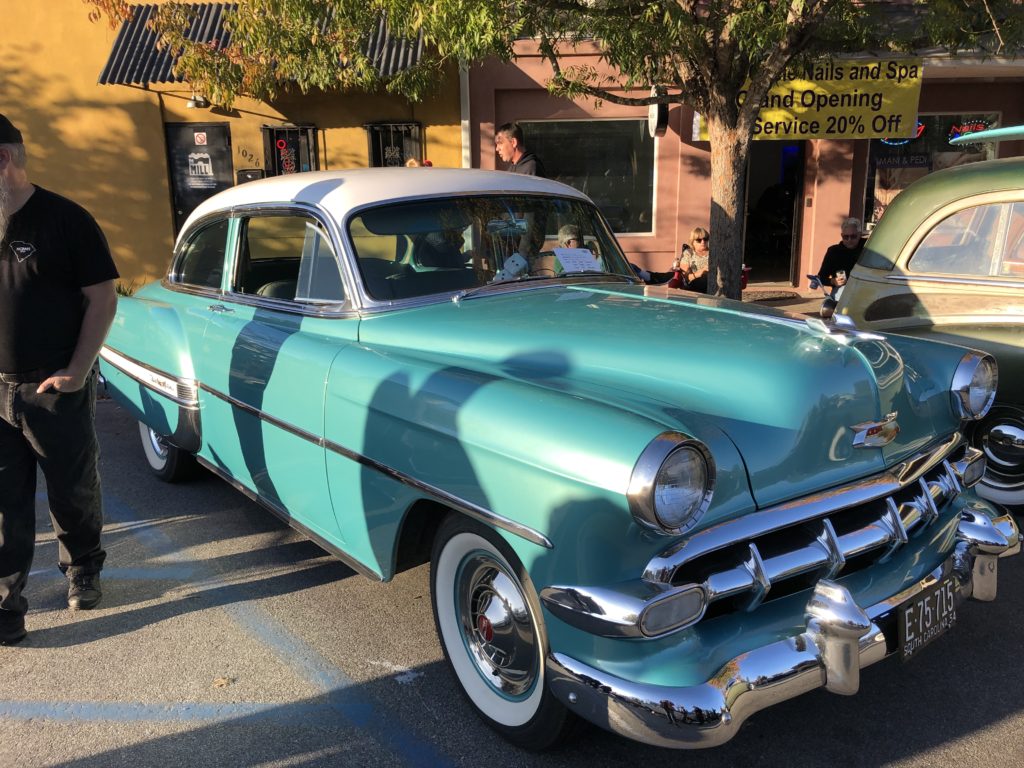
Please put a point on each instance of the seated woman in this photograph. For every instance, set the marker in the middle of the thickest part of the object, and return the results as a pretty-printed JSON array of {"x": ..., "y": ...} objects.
[{"x": 692, "y": 264}]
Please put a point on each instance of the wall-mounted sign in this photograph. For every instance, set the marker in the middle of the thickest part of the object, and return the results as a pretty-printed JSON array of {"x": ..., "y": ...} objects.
[
  {"x": 900, "y": 142},
  {"x": 290, "y": 149},
  {"x": 842, "y": 99},
  {"x": 198, "y": 167}
]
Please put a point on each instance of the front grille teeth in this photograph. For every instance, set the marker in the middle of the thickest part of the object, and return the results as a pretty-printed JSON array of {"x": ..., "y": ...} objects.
[
  {"x": 779, "y": 562},
  {"x": 830, "y": 543}
]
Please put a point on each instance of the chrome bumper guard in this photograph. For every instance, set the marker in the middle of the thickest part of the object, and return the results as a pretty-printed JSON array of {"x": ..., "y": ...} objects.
[{"x": 840, "y": 638}]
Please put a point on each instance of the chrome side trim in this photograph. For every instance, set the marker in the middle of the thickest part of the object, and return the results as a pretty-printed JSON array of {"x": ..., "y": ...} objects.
[
  {"x": 661, "y": 567},
  {"x": 281, "y": 513},
  {"x": 989, "y": 283},
  {"x": 184, "y": 392},
  {"x": 305, "y": 307},
  {"x": 475, "y": 511},
  {"x": 839, "y": 639}
]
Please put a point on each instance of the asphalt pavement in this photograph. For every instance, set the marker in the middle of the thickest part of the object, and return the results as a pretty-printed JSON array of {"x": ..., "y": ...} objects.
[{"x": 225, "y": 639}]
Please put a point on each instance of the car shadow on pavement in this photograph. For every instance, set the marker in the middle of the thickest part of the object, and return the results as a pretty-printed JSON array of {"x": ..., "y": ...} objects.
[{"x": 195, "y": 596}]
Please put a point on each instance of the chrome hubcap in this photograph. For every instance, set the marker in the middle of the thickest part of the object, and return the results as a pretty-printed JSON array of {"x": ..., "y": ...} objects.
[
  {"x": 1001, "y": 438},
  {"x": 496, "y": 625},
  {"x": 159, "y": 444}
]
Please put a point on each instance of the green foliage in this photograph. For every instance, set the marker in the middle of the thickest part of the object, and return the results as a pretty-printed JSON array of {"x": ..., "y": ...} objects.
[
  {"x": 703, "y": 52},
  {"x": 126, "y": 288}
]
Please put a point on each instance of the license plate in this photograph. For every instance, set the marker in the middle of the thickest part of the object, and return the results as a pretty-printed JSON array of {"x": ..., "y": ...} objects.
[{"x": 925, "y": 616}]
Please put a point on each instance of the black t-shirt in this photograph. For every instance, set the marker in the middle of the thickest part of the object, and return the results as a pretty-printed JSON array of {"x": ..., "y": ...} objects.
[
  {"x": 53, "y": 249},
  {"x": 528, "y": 165},
  {"x": 839, "y": 258}
]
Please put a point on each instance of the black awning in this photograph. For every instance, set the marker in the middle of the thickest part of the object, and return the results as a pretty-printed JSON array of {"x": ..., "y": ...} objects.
[{"x": 136, "y": 60}]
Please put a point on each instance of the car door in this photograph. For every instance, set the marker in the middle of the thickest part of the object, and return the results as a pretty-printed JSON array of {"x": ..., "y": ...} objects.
[{"x": 267, "y": 350}]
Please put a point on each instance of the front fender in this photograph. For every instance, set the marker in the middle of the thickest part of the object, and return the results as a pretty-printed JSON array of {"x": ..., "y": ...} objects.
[{"x": 557, "y": 462}]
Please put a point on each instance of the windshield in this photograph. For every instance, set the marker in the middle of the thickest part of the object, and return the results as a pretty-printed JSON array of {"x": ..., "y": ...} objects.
[{"x": 452, "y": 244}]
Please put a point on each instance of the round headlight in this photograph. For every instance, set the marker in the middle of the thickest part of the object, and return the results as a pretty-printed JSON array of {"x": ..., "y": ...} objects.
[
  {"x": 974, "y": 385},
  {"x": 672, "y": 483}
]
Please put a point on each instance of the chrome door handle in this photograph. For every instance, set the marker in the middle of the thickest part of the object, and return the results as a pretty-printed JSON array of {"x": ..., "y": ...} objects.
[{"x": 219, "y": 308}]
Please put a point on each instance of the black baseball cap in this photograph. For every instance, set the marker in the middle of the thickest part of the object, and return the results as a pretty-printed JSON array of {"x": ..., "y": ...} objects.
[{"x": 8, "y": 133}]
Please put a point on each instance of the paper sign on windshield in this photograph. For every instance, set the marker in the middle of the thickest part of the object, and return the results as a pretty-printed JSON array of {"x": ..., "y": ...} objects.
[{"x": 577, "y": 260}]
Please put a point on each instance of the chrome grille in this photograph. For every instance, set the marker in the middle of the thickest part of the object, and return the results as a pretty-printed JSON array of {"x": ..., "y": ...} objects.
[{"x": 788, "y": 548}]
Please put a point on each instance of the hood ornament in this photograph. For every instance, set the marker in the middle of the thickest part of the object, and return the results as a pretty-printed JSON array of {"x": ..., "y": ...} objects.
[{"x": 875, "y": 434}]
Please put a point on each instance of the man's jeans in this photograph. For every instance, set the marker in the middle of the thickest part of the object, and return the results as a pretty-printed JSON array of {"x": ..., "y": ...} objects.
[{"x": 56, "y": 432}]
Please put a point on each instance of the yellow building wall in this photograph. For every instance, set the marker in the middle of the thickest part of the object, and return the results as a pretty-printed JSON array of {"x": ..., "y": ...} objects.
[{"x": 103, "y": 145}]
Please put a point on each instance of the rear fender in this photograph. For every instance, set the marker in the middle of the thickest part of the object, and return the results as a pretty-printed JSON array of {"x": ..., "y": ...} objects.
[{"x": 162, "y": 392}]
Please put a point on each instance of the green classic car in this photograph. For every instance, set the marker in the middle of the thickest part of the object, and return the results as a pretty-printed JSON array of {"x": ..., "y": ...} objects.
[
  {"x": 654, "y": 510},
  {"x": 946, "y": 262}
]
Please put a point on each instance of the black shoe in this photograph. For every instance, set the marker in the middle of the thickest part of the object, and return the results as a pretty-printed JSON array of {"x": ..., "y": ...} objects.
[
  {"x": 83, "y": 591},
  {"x": 12, "y": 632}
]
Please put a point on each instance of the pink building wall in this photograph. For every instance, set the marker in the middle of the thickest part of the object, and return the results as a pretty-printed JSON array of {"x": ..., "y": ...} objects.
[{"x": 834, "y": 174}]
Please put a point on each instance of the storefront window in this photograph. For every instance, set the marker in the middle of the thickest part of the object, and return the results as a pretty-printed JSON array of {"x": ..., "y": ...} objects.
[
  {"x": 612, "y": 161},
  {"x": 895, "y": 163}
]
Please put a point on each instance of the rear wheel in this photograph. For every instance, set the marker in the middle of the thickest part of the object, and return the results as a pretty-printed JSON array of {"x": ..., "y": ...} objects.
[
  {"x": 489, "y": 621},
  {"x": 167, "y": 462}
]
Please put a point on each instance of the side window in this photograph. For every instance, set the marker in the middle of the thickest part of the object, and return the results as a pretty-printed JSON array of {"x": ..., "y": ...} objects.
[
  {"x": 961, "y": 244},
  {"x": 202, "y": 260},
  {"x": 287, "y": 257},
  {"x": 1012, "y": 264}
]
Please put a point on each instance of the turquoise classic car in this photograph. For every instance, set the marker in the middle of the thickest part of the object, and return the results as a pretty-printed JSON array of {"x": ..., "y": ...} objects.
[
  {"x": 657, "y": 511},
  {"x": 946, "y": 262}
]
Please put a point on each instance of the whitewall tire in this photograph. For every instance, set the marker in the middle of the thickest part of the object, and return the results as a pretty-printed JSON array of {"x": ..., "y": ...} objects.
[
  {"x": 490, "y": 625},
  {"x": 167, "y": 462}
]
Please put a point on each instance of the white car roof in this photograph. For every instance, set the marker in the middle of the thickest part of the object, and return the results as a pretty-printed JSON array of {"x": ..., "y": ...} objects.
[{"x": 340, "y": 191}]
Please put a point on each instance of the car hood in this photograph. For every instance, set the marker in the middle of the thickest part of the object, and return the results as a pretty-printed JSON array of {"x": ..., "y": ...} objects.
[{"x": 787, "y": 393}]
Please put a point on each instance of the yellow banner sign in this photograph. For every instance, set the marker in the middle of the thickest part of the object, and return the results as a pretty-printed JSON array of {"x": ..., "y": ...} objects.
[{"x": 847, "y": 99}]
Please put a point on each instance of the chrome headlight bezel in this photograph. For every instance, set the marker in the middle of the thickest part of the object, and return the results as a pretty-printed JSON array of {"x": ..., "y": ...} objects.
[
  {"x": 973, "y": 366},
  {"x": 643, "y": 483}
]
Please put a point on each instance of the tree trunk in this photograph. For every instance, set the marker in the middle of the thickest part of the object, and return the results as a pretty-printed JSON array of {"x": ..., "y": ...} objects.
[{"x": 729, "y": 149}]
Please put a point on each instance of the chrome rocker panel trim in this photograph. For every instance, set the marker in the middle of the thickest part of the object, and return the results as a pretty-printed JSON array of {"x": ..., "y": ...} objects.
[
  {"x": 840, "y": 638},
  {"x": 462, "y": 505},
  {"x": 186, "y": 395}
]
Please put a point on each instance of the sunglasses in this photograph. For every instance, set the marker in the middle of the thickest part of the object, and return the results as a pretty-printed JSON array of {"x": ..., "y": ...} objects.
[{"x": 700, "y": 239}]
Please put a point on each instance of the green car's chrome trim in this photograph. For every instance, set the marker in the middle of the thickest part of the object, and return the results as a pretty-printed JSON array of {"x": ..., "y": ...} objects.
[
  {"x": 184, "y": 392},
  {"x": 920, "y": 278},
  {"x": 1007, "y": 133},
  {"x": 462, "y": 505}
]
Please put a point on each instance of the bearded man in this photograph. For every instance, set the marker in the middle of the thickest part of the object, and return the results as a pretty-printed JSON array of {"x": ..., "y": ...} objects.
[{"x": 57, "y": 301}]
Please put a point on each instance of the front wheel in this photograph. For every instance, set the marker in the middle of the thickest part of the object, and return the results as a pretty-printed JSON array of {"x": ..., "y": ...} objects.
[
  {"x": 168, "y": 462},
  {"x": 491, "y": 629},
  {"x": 1000, "y": 436}
]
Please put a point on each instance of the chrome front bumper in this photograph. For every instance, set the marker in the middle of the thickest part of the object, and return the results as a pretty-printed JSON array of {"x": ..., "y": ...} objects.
[{"x": 840, "y": 639}]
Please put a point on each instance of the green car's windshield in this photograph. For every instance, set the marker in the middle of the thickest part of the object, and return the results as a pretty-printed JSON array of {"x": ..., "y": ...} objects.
[{"x": 453, "y": 244}]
